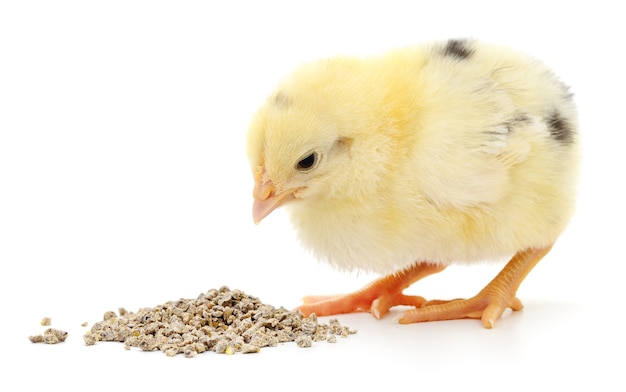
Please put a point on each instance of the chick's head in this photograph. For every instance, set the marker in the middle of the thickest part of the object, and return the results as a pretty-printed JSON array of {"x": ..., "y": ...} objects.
[{"x": 296, "y": 154}]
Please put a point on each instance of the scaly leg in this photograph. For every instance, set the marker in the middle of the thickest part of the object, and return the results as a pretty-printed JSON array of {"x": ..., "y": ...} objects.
[
  {"x": 377, "y": 297},
  {"x": 489, "y": 304}
]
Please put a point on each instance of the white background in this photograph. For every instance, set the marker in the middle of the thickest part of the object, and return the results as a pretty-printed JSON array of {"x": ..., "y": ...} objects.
[{"x": 124, "y": 182}]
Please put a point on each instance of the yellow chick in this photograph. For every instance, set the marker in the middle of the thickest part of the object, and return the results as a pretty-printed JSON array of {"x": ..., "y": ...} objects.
[{"x": 451, "y": 152}]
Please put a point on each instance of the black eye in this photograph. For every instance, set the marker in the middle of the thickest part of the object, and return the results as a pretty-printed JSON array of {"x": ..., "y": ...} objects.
[{"x": 307, "y": 162}]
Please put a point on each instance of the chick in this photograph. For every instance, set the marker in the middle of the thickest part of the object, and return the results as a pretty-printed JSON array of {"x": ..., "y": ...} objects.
[{"x": 456, "y": 151}]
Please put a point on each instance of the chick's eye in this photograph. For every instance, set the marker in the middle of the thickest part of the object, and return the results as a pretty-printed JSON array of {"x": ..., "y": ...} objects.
[{"x": 307, "y": 162}]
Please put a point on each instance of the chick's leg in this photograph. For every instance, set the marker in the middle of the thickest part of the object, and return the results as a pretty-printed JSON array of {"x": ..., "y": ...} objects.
[
  {"x": 377, "y": 297},
  {"x": 489, "y": 304}
]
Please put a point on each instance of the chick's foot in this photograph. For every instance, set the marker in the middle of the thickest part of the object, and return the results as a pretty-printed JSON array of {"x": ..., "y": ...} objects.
[
  {"x": 489, "y": 304},
  {"x": 377, "y": 297}
]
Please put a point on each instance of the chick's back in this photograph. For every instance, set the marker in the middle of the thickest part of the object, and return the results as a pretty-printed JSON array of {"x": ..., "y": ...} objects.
[{"x": 460, "y": 151}]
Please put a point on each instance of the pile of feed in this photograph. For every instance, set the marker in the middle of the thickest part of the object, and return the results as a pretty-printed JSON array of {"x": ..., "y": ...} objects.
[{"x": 223, "y": 321}]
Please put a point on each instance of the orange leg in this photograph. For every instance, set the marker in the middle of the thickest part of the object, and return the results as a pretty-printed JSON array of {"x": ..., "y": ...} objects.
[
  {"x": 377, "y": 297},
  {"x": 489, "y": 304}
]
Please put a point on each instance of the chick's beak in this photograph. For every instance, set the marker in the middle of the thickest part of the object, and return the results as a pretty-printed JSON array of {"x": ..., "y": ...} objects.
[{"x": 267, "y": 200}]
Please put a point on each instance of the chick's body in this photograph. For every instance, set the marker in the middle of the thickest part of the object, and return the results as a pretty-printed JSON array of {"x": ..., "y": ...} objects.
[{"x": 456, "y": 151}]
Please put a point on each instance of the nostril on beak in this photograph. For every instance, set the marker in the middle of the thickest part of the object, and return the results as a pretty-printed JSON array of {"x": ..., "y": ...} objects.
[{"x": 263, "y": 191}]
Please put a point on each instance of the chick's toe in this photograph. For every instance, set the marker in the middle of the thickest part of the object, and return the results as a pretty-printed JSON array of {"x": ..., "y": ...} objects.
[
  {"x": 377, "y": 297},
  {"x": 489, "y": 304}
]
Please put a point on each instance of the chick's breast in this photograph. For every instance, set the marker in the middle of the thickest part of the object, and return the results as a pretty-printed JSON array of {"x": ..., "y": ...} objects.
[{"x": 460, "y": 151}]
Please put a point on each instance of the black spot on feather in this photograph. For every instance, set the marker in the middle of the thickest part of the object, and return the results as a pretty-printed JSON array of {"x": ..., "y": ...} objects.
[
  {"x": 458, "y": 49},
  {"x": 560, "y": 128}
]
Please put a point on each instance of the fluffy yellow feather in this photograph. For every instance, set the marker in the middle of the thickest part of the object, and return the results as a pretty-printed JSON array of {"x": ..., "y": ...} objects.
[{"x": 451, "y": 152}]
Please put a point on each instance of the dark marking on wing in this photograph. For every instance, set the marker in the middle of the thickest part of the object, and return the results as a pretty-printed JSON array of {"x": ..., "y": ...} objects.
[
  {"x": 521, "y": 119},
  {"x": 458, "y": 49},
  {"x": 560, "y": 128},
  {"x": 510, "y": 125}
]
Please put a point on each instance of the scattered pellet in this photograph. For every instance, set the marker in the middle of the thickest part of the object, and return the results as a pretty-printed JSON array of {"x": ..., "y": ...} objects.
[
  {"x": 46, "y": 321},
  {"x": 50, "y": 336},
  {"x": 304, "y": 341},
  {"x": 36, "y": 338},
  {"x": 109, "y": 315},
  {"x": 90, "y": 338},
  {"x": 223, "y": 321},
  {"x": 249, "y": 349},
  {"x": 61, "y": 335}
]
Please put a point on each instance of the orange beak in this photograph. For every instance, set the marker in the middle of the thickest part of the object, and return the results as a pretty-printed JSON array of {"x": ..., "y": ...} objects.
[{"x": 267, "y": 200}]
